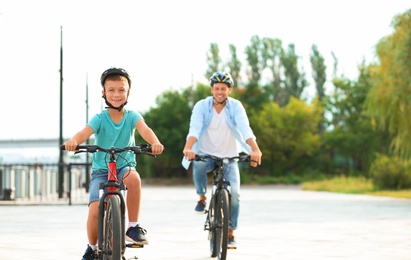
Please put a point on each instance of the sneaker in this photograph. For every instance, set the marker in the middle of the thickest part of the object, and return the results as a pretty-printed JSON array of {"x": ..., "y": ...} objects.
[
  {"x": 231, "y": 243},
  {"x": 136, "y": 235},
  {"x": 200, "y": 208},
  {"x": 90, "y": 254}
]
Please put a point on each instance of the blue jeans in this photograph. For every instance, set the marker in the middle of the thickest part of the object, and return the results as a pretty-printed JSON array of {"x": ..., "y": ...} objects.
[
  {"x": 98, "y": 177},
  {"x": 232, "y": 174}
]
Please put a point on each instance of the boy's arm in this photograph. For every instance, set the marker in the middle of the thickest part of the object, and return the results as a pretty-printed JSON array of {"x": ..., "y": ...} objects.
[
  {"x": 79, "y": 138},
  {"x": 149, "y": 136}
]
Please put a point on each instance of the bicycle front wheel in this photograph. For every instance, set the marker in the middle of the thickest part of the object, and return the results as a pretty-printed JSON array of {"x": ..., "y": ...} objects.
[
  {"x": 219, "y": 237},
  {"x": 112, "y": 244},
  {"x": 210, "y": 224}
]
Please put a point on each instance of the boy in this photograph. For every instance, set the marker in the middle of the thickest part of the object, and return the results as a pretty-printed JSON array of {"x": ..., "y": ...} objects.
[{"x": 115, "y": 126}]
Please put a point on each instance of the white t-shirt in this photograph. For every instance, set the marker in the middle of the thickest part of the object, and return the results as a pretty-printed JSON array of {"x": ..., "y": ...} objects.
[{"x": 218, "y": 139}]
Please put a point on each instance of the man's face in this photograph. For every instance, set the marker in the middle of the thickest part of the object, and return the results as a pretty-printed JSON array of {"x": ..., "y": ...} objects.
[{"x": 220, "y": 91}]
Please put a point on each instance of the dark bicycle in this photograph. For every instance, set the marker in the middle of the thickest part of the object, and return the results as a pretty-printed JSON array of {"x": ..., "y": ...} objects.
[
  {"x": 111, "y": 213},
  {"x": 218, "y": 218}
]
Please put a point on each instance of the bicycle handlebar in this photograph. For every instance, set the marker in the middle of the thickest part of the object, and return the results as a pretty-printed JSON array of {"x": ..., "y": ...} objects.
[
  {"x": 141, "y": 149},
  {"x": 240, "y": 158}
]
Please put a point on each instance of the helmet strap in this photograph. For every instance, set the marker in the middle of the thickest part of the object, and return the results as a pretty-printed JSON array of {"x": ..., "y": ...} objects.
[{"x": 109, "y": 105}]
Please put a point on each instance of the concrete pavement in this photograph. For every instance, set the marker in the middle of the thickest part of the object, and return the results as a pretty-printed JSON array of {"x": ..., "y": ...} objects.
[{"x": 275, "y": 223}]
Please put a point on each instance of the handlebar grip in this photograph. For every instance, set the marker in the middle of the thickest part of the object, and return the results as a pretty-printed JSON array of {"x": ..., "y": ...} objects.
[{"x": 63, "y": 147}]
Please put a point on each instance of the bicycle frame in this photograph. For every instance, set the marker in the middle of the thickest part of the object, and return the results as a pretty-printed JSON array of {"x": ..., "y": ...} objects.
[
  {"x": 106, "y": 190},
  {"x": 219, "y": 212},
  {"x": 112, "y": 208}
]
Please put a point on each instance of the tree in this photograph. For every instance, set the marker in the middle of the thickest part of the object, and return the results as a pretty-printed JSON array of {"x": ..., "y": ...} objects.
[
  {"x": 271, "y": 55},
  {"x": 319, "y": 74},
  {"x": 318, "y": 71},
  {"x": 287, "y": 135},
  {"x": 234, "y": 66},
  {"x": 294, "y": 79},
  {"x": 170, "y": 121},
  {"x": 389, "y": 100},
  {"x": 213, "y": 60},
  {"x": 254, "y": 59},
  {"x": 353, "y": 141}
]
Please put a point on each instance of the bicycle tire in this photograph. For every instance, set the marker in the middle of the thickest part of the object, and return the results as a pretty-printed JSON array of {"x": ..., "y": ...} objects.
[
  {"x": 221, "y": 222},
  {"x": 112, "y": 243},
  {"x": 211, "y": 229}
]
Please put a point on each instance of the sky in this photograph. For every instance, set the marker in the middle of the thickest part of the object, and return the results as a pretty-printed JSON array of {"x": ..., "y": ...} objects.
[{"x": 163, "y": 46}]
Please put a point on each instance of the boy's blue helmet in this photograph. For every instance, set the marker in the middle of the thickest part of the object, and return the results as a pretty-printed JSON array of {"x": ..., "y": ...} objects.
[
  {"x": 221, "y": 77},
  {"x": 115, "y": 71}
]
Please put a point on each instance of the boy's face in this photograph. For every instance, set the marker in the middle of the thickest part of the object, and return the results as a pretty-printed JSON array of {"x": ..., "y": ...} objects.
[
  {"x": 220, "y": 91},
  {"x": 116, "y": 91}
]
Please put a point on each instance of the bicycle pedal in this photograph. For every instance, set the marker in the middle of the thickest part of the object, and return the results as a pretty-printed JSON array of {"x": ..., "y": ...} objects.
[
  {"x": 131, "y": 245},
  {"x": 231, "y": 247}
]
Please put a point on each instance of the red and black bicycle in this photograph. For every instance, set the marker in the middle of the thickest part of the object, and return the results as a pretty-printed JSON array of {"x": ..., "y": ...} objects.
[{"x": 111, "y": 213}]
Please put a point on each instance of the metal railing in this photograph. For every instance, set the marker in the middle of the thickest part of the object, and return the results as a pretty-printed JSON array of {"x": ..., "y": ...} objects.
[{"x": 39, "y": 182}]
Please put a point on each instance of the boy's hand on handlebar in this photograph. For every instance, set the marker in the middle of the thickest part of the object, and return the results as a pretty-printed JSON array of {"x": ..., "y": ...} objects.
[
  {"x": 157, "y": 148},
  {"x": 71, "y": 145},
  {"x": 255, "y": 158}
]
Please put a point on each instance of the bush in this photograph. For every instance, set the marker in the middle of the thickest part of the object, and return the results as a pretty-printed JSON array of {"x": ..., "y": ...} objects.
[
  {"x": 391, "y": 173},
  {"x": 342, "y": 184}
]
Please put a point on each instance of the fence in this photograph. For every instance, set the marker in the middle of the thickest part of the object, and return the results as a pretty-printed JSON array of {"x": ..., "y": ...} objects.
[{"x": 39, "y": 182}]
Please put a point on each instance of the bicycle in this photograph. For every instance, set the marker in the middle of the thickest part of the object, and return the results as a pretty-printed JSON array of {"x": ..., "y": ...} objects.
[
  {"x": 111, "y": 212},
  {"x": 218, "y": 217}
]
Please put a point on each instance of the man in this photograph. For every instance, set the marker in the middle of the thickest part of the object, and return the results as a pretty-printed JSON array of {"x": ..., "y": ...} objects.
[{"x": 219, "y": 126}]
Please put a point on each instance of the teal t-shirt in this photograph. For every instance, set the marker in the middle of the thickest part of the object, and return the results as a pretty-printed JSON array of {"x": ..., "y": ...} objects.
[{"x": 108, "y": 134}]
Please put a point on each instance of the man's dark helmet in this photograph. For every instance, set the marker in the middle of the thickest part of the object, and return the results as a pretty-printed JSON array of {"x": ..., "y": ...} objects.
[{"x": 221, "y": 77}]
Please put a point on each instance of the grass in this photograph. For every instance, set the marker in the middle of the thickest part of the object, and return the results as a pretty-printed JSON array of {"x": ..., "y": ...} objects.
[{"x": 353, "y": 185}]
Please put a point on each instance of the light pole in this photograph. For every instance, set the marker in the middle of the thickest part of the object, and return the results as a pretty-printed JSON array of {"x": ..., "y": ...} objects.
[{"x": 61, "y": 170}]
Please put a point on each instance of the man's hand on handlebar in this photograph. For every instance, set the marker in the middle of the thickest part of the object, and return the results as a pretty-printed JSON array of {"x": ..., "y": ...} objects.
[
  {"x": 189, "y": 154},
  {"x": 255, "y": 158}
]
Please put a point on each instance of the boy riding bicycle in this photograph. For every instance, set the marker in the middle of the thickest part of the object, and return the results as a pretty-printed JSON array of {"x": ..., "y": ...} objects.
[{"x": 115, "y": 127}]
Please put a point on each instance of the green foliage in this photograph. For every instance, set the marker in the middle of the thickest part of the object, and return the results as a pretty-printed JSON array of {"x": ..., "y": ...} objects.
[
  {"x": 234, "y": 66},
  {"x": 318, "y": 71},
  {"x": 170, "y": 123},
  {"x": 287, "y": 135},
  {"x": 254, "y": 59},
  {"x": 252, "y": 97},
  {"x": 213, "y": 60},
  {"x": 353, "y": 141},
  {"x": 294, "y": 79},
  {"x": 391, "y": 172},
  {"x": 287, "y": 127},
  {"x": 271, "y": 54},
  {"x": 341, "y": 184},
  {"x": 389, "y": 100}
]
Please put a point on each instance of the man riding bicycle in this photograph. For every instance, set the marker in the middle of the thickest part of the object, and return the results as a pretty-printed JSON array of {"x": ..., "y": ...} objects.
[{"x": 219, "y": 126}]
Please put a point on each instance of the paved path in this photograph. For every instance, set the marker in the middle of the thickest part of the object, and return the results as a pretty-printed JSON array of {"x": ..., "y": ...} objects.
[{"x": 275, "y": 223}]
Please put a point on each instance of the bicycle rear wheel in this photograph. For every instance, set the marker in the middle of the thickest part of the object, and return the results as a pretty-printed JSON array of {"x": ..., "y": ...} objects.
[
  {"x": 112, "y": 243},
  {"x": 219, "y": 229}
]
